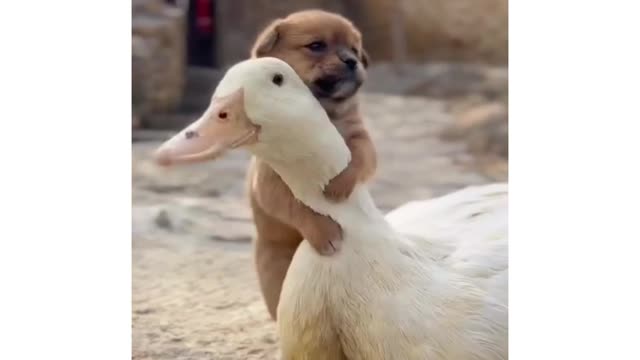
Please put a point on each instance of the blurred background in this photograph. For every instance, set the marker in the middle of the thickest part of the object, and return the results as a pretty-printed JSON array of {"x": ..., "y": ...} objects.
[{"x": 436, "y": 105}]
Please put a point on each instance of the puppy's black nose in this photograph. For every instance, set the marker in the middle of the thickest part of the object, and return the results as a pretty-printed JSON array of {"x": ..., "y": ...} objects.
[
  {"x": 348, "y": 58},
  {"x": 351, "y": 63}
]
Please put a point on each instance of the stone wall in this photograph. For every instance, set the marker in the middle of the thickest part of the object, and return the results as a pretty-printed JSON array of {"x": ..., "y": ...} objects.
[{"x": 158, "y": 57}]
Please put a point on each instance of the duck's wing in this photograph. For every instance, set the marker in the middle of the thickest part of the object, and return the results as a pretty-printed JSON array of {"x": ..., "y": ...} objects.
[{"x": 465, "y": 230}]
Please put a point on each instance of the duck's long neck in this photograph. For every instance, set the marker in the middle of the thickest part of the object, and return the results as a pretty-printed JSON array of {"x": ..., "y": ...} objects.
[
  {"x": 307, "y": 157},
  {"x": 310, "y": 171},
  {"x": 307, "y": 180}
]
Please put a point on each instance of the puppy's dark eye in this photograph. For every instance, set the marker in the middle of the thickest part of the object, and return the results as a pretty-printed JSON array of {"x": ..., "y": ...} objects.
[
  {"x": 355, "y": 51},
  {"x": 277, "y": 79},
  {"x": 317, "y": 46}
]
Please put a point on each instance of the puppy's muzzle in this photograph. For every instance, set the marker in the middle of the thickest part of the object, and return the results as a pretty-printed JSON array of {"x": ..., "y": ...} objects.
[{"x": 348, "y": 58}]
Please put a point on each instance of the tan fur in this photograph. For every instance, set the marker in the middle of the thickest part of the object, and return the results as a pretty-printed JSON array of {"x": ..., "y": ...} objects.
[{"x": 281, "y": 220}]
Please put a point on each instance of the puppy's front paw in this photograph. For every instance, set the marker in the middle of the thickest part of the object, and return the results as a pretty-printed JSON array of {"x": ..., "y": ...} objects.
[
  {"x": 324, "y": 235},
  {"x": 341, "y": 186}
]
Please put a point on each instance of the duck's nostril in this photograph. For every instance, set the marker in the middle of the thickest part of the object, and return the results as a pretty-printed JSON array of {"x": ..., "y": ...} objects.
[
  {"x": 222, "y": 115},
  {"x": 190, "y": 134}
]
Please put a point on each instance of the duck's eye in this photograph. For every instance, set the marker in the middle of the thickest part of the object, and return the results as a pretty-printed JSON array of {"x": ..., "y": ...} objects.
[
  {"x": 317, "y": 46},
  {"x": 277, "y": 79}
]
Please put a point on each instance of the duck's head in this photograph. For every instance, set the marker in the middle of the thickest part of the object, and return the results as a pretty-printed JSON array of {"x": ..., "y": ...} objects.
[{"x": 261, "y": 105}]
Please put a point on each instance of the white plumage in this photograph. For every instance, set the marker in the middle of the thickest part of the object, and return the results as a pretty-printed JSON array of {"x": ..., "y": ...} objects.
[
  {"x": 468, "y": 226},
  {"x": 430, "y": 282}
]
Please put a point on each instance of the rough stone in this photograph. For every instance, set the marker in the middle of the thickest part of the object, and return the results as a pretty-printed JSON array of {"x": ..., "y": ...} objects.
[
  {"x": 158, "y": 56},
  {"x": 163, "y": 221}
]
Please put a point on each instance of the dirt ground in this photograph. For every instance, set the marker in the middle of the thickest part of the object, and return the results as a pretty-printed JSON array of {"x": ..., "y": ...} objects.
[{"x": 195, "y": 293}]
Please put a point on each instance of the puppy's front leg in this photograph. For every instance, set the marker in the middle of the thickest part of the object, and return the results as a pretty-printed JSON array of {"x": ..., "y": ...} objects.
[
  {"x": 360, "y": 169},
  {"x": 322, "y": 232},
  {"x": 277, "y": 200}
]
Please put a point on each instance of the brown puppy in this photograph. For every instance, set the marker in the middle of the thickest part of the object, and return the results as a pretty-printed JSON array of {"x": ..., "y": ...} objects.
[{"x": 326, "y": 51}]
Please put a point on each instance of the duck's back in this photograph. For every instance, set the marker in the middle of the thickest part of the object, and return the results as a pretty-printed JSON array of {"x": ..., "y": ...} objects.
[
  {"x": 466, "y": 234},
  {"x": 433, "y": 289},
  {"x": 478, "y": 207}
]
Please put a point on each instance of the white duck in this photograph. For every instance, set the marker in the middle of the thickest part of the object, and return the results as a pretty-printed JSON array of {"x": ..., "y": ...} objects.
[{"x": 429, "y": 281}]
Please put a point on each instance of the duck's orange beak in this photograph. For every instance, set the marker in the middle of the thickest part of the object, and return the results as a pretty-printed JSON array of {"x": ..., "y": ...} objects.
[{"x": 223, "y": 126}]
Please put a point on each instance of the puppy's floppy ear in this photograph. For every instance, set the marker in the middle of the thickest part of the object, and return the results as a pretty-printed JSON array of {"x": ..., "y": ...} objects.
[
  {"x": 267, "y": 40},
  {"x": 364, "y": 58}
]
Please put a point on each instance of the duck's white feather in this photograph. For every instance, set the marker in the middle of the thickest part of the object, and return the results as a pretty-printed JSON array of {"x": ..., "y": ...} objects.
[
  {"x": 467, "y": 229},
  {"x": 429, "y": 283}
]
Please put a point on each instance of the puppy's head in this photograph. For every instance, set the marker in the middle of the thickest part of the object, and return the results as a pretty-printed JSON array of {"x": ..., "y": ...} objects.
[{"x": 325, "y": 49}]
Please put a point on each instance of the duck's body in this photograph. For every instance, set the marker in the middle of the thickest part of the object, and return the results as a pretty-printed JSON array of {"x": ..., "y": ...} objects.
[{"x": 429, "y": 281}]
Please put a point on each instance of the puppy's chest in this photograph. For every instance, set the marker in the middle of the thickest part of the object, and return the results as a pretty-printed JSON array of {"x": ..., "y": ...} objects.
[
  {"x": 347, "y": 127},
  {"x": 348, "y": 120},
  {"x": 264, "y": 177}
]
